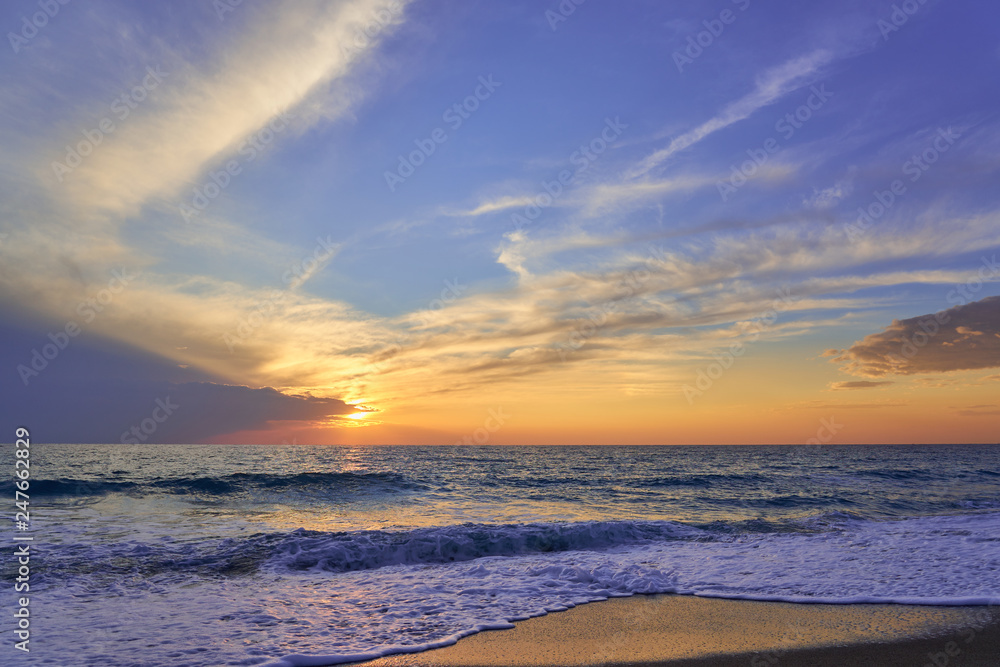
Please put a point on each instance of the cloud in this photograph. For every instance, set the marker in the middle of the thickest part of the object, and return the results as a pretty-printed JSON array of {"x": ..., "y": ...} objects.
[
  {"x": 831, "y": 196},
  {"x": 95, "y": 390},
  {"x": 858, "y": 384},
  {"x": 192, "y": 412},
  {"x": 935, "y": 382},
  {"x": 821, "y": 405},
  {"x": 961, "y": 338},
  {"x": 771, "y": 86},
  {"x": 689, "y": 304},
  {"x": 216, "y": 409},
  {"x": 119, "y": 207},
  {"x": 601, "y": 197},
  {"x": 201, "y": 282},
  {"x": 201, "y": 113},
  {"x": 979, "y": 411},
  {"x": 614, "y": 301},
  {"x": 499, "y": 204}
]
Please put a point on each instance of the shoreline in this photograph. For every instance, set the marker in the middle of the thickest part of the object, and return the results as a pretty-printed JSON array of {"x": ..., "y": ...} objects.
[{"x": 689, "y": 631}]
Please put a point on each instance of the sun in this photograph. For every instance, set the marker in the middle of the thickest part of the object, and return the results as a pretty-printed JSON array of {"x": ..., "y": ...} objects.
[{"x": 362, "y": 412}]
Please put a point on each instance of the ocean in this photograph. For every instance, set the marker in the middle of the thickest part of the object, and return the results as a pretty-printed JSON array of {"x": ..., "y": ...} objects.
[{"x": 274, "y": 555}]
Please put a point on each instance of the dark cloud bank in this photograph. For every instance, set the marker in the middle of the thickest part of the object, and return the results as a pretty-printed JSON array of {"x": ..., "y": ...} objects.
[{"x": 102, "y": 391}]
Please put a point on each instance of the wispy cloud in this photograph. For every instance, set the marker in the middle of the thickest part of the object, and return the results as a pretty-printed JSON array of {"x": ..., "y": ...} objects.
[
  {"x": 499, "y": 204},
  {"x": 664, "y": 305},
  {"x": 858, "y": 384},
  {"x": 979, "y": 411},
  {"x": 605, "y": 196},
  {"x": 202, "y": 112},
  {"x": 770, "y": 87}
]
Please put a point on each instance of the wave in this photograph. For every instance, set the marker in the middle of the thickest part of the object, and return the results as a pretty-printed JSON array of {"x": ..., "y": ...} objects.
[
  {"x": 695, "y": 480},
  {"x": 900, "y": 475},
  {"x": 364, "y": 550},
  {"x": 433, "y": 585},
  {"x": 78, "y": 487},
  {"x": 236, "y": 483},
  {"x": 704, "y": 480},
  {"x": 350, "y": 551}
]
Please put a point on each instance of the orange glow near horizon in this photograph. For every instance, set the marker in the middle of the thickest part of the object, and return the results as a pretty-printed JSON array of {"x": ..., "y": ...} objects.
[{"x": 796, "y": 405}]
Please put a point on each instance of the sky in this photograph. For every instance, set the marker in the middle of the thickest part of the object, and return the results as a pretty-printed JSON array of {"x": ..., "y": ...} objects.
[{"x": 527, "y": 222}]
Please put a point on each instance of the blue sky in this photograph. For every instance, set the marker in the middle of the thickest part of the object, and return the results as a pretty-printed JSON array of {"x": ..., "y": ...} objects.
[{"x": 428, "y": 301}]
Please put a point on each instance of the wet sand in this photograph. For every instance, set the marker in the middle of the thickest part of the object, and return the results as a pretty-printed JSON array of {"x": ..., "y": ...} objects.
[{"x": 686, "y": 631}]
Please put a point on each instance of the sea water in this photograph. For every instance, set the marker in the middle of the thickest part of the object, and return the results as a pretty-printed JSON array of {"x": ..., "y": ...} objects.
[{"x": 314, "y": 555}]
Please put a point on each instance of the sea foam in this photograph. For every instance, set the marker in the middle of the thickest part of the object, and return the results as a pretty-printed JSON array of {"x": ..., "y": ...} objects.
[{"x": 320, "y": 598}]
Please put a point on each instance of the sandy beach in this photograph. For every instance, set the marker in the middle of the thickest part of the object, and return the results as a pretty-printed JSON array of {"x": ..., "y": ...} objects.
[{"x": 704, "y": 632}]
